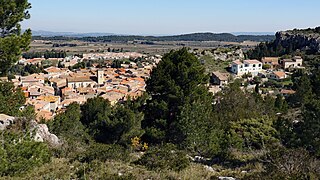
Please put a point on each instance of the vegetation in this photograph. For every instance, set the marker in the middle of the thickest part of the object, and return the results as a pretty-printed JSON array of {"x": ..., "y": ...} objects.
[
  {"x": 26, "y": 70},
  {"x": 47, "y": 54},
  {"x": 163, "y": 158},
  {"x": 177, "y": 130},
  {"x": 306, "y": 31},
  {"x": 177, "y": 120},
  {"x": 12, "y": 41},
  {"x": 277, "y": 48},
  {"x": 19, "y": 152},
  {"x": 11, "y": 99},
  {"x": 185, "y": 37}
]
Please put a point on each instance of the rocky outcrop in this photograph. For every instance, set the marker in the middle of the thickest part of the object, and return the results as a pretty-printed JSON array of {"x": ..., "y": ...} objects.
[
  {"x": 5, "y": 121},
  {"x": 299, "y": 40},
  {"x": 40, "y": 131},
  {"x": 42, "y": 134},
  {"x": 222, "y": 54}
]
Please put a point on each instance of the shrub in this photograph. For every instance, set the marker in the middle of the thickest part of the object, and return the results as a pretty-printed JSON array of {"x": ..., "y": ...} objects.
[
  {"x": 19, "y": 154},
  {"x": 103, "y": 152},
  {"x": 164, "y": 157},
  {"x": 266, "y": 66}
]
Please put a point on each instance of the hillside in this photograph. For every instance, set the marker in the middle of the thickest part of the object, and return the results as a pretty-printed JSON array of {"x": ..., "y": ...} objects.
[
  {"x": 305, "y": 41},
  {"x": 185, "y": 37}
]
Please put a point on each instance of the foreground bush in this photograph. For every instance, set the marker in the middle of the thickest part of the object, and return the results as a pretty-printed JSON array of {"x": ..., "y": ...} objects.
[
  {"x": 19, "y": 154},
  {"x": 103, "y": 152},
  {"x": 164, "y": 157}
]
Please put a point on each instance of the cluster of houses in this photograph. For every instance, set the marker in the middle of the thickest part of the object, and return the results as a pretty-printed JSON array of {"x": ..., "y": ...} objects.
[
  {"x": 272, "y": 68},
  {"x": 254, "y": 67},
  {"x": 113, "y": 55},
  {"x": 52, "y": 91}
]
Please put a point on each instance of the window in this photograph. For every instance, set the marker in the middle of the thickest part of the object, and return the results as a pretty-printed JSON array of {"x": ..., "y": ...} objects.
[
  {"x": 254, "y": 65},
  {"x": 259, "y": 65},
  {"x": 246, "y": 65}
]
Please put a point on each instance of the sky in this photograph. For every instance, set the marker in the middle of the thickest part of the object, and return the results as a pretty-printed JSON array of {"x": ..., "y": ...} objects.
[{"x": 168, "y": 17}]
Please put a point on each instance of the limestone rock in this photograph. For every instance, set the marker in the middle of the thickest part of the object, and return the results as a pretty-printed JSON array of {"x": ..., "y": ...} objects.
[
  {"x": 300, "y": 40},
  {"x": 42, "y": 134},
  {"x": 5, "y": 121}
]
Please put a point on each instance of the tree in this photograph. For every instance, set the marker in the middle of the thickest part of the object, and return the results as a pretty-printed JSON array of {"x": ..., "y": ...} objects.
[
  {"x": 234, "y": 104},
  {"x": 200, "y": 128},
  {"x": 12, "y": 42},
  {"x": 116, "y": 64},
  {"x": 107, "y": 124},
  {"x": 303, "y": 87},
  {"x": 67, "y": 125},
  {"x": 309, "y": 130},
  {"x": 280, "y": 104},
  {"x": 179, "y": 80},
  {"x": 95, "y": 114},
  {"x": 253, "y": 134},
  {"x": 11, "y": 99}
]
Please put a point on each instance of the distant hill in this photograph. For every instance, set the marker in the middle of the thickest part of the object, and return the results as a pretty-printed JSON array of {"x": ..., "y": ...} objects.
[
  {"x": 184, "y": 37},
  {"x": 253, "y": 33},
  {"x": 68, "y": 34}
]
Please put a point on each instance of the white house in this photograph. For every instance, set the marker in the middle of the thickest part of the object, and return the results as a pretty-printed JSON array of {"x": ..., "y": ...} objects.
[
  {"x": 247, "y": 66},
  {"x": 295, "y": 62}
]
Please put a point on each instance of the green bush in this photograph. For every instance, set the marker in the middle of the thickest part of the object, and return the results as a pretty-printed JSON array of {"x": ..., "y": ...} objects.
[
  {"x": 164, "y": 157},
  {"x": 103, "y": 152},
  {"x": 19, "y": 154},
  {"x": 266, "y": 66}
]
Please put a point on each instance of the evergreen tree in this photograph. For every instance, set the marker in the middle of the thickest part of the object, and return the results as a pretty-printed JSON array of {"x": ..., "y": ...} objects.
[
  {"x": 68, "y": 125},
  {"x": 112, "y": 124},
  {"x": 303, "y": 89},
  {"x": 175, "y": 85},
  {"x": 11, "y": 99},
  {"x": 12, "y": 42},
  {"x": 310, "y": 127}
]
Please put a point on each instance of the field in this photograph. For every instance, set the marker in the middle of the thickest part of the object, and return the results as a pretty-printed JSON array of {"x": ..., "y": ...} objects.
[{"x": 160, "y": 47}]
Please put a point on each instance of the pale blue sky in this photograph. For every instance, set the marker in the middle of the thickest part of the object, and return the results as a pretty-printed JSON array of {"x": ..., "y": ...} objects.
[{"x": 172, "y": 16}]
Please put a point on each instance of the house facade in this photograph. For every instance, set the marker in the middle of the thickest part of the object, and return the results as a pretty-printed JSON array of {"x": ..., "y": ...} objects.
[
  {"x": 295, "y": 62},
  {"x": 246, "y": 67},
  {"x": 277, "y": 75},
  {"x": 218, "y": 78},
  {"x": 77, "y": 82},
  {"x": 272, "y": 61}
]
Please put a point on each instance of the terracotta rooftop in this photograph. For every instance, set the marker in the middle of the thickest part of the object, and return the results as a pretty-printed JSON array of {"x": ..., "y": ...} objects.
[
  {"x": 279, "y": 74},
  {"x": 253, "y": 61},
  {"x": 80, "y": 79},
  {"x": 238, "y": 62},
  {"x": 48, "y": 98},
  {"x": 287, "y": 91},
  {"x": 221, "y": 76},
  {"x": 270, "y": 59}
]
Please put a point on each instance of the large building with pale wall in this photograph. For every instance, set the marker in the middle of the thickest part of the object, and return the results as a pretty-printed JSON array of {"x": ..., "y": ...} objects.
[{"x": 246, "y": 67}]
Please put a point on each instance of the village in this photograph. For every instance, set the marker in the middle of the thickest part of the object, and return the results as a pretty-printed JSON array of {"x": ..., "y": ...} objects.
[
  {"x": 51, "y": 91},
  {"x": 270, "y": 76}
]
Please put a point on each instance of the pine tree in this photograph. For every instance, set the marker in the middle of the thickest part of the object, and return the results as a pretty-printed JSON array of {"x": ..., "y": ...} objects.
[
  {"x": 178, "y": 81},
  {"x": 12, "y": 42}
]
